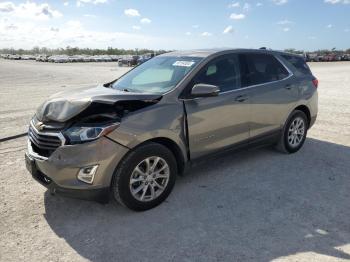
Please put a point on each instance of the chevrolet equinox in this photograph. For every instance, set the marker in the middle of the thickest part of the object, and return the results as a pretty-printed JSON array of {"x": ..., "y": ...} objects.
[{"x": 128, "y": 139}]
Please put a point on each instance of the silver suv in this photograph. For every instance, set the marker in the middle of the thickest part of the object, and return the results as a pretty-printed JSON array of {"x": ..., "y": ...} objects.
[{"x": 130, "y": 138}]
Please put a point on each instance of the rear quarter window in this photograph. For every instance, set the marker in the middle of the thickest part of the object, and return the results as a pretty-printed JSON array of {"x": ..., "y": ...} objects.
[{"x": 299, "y": 64}]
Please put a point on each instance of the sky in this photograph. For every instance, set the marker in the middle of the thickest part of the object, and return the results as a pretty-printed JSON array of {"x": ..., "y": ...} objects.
[{"x": 180, "y": 24}]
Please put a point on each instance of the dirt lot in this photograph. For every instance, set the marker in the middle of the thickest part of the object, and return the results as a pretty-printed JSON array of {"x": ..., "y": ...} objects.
[{"x": 257, "y": 205}]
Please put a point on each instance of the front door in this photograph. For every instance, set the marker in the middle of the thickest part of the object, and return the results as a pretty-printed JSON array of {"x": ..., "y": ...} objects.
[{"x": 218, "y": 122}]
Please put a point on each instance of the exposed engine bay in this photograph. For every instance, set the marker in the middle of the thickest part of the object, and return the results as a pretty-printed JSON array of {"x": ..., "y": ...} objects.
[{"x": 93, "y": 105}]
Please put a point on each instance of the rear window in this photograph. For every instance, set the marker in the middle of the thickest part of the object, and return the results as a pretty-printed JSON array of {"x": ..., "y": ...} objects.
[
  {"x": 261, "y": 68},
  {"x": 299, "y": 63}
]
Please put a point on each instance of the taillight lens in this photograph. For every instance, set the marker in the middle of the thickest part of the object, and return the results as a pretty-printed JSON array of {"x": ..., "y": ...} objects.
[{"x": 315, "y": 82}]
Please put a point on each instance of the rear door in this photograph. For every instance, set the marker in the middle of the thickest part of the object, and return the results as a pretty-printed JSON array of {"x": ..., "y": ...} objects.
[
  {"x": 273, "y": 91},
  {"x": 218, "y": 122},
  {"x": 302, "y": 72}
]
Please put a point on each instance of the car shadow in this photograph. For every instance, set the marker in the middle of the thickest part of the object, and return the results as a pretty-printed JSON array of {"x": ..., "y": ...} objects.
[{"x": 255, "y": 205}]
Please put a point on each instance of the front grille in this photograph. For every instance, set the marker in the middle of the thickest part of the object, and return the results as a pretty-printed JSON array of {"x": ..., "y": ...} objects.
[{"x": 44, "y": 144}]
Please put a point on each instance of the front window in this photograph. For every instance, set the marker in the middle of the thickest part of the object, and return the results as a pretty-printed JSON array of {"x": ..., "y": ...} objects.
[
  {"x": 158, "y": 75},
  {"x": 222, "y": 72}
]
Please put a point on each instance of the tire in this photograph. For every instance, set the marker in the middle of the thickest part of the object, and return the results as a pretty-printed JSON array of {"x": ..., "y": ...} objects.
[
  {"x": 122, "y": 187},
  {"x": 285, "y": 144}
]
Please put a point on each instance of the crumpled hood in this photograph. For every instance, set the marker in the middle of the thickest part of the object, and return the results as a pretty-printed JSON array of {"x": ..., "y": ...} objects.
[{"x": 65, "y": 105}]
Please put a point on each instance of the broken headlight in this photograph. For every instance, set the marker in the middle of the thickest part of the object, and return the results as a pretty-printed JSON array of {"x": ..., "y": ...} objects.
[{"x": 80, "y": 134}]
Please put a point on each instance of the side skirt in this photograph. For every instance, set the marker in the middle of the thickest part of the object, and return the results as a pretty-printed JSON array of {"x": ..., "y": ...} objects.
[{"x": 255, "y": 142}]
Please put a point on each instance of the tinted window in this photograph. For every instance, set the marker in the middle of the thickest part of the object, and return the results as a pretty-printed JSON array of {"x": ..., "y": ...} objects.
[
  {"x": 261, "y": 68},
  {"x": 222, "y": 72},
  {"x": 299, "y": 63}
]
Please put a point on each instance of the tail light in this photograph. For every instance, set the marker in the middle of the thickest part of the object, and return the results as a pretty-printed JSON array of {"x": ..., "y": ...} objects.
[{"x": 315, "y": 82}]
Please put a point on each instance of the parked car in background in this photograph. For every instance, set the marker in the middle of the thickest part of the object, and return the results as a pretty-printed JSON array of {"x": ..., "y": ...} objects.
[
  {"x": 14, "y": 57},
  {"x": 144, "y": 58},
  {"x": 58, "y": 59},
  {"x": 345, "y": 57},
  {"x": 27, "y": 57},
  {"x": 128, "y": 60},
  {"x": 42, "y": 58},
  {"x": 128, "y": 139}
]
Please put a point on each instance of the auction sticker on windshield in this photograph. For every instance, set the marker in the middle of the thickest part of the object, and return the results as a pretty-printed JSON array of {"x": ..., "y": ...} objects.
[{"x": 184, "y": 63}]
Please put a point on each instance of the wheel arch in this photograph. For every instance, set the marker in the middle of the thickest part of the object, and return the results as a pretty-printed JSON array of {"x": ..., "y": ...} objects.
[
  {"x": 174, "y": 148},
  {"x": 306, "y": 111}
]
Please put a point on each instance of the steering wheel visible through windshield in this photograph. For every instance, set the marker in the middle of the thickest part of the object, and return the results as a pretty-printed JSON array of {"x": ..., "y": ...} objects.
[{"x": 157, "y": 75}]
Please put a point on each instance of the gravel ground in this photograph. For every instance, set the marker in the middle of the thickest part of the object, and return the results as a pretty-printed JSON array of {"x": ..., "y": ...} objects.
[{"x": 256, "y": 205}]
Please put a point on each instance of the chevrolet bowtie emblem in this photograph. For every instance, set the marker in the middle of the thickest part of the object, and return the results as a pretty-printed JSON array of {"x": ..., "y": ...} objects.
[{"x": 39, "y": 126}]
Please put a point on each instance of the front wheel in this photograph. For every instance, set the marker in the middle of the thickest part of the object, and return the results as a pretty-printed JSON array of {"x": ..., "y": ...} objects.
[
  {"x": 294, "y": 133},
  {"x": 145, "y": 178}
]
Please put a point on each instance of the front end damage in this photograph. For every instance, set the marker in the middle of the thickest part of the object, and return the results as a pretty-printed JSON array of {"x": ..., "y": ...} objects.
[{"x": 67, "y": 148}]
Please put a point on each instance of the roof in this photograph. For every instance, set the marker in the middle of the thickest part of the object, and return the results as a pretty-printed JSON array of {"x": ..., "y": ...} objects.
[{"x": 207, "y": 52}]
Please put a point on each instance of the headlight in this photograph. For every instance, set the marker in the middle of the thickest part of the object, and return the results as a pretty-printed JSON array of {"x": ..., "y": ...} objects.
[{"x": 79, "y": 134}]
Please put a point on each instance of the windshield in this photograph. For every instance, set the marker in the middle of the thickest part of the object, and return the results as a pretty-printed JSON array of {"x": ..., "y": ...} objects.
[{"x": 158, "y": 75}]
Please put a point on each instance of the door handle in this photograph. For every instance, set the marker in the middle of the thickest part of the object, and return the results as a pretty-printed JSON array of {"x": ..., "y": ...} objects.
[
  {"x": 241, "y": 98},
  {"x": 288, "y": 86}
]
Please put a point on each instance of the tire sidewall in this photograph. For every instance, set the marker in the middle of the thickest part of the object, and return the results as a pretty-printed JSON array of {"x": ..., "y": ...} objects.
[
  {"x": 123, "y": 173},
  {"x": 292, "y": 117}
]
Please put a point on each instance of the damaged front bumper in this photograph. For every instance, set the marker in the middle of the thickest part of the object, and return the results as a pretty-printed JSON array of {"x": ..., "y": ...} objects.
[{"x": 59, "y": 172}]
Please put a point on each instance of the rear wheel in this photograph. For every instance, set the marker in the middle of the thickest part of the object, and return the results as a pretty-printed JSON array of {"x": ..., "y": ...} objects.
[
  {"x": 294, "y": 133},
  {"x": 145, "y": 178}
]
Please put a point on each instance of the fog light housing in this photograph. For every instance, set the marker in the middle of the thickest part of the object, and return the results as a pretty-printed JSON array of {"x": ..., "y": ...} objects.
[{"x": 87, "y": 174}]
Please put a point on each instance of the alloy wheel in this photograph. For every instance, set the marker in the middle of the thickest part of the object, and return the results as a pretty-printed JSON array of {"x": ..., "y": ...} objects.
[
  {"x": 296, "y": 132},
  {"x": 149, "y": 179}
]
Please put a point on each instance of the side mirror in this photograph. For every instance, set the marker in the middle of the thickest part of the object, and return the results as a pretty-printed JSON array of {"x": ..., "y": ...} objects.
[{"x": 204, "y": 90}]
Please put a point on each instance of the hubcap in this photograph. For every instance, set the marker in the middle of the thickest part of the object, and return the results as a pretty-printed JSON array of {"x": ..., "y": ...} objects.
[
  {"x": 149, "y": 179},
  {"x": 296, "y": 132}
]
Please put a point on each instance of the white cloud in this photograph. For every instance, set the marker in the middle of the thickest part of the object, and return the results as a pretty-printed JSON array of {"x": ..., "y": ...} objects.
[
  {"x": 235, "y": 4},
  {"x": 145, "y": 21},
  {"x": 188, "y": 33},
  {"x": 66, "y": 3},
  {"x": 333, "y": 2},
  {"x": 286, "y": 29},
  {"x": 131, "y": 12},
  {"x": 329, "y": 26},
  {"x": 206, "y": 34},
  {"x": 136, "y": 27},
  {"x": 259, "y": 4},
  {"x": 74, "y": 24},
  {"x": 27, "y": 34},
  {"x": 7, "y": 7},
  {"x": 30, "y": 10},
  {"x": 237, "y": 16},
  {"x": 95, "y": 2},
  {"x": 228, "y": 30},
  {"x": 195, "y": 26},
  {"x": 280, "y": 2},
  {"x": 285, "y": 22}
]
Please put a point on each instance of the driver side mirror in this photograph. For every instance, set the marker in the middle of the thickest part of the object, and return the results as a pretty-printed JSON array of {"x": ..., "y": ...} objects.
[{"x": 204, "y": 90}]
